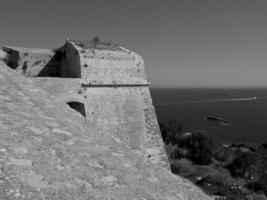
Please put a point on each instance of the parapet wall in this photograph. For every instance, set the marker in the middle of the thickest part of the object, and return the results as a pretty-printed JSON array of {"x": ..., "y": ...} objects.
[
  {"x": 111, "y": 67},
  {"x": 29, "y": 61}
]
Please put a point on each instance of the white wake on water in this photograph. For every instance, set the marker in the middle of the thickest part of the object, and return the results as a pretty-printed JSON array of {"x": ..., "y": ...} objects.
[{"x": 210, "y": 101}]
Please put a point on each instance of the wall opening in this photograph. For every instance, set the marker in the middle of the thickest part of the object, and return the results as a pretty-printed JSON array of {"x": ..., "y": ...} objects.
[{"x": 79, "y": 107}]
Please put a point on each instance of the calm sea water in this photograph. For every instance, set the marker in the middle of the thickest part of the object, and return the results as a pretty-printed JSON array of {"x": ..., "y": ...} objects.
[{"x": 244, "y": 109}]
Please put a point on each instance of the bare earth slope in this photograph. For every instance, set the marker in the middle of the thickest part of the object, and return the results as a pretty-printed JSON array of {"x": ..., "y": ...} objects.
[{"x": 48, "y": 151}]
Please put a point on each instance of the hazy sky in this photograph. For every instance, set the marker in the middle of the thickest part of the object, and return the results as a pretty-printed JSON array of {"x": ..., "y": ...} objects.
[{"x": 185, "y": 43}]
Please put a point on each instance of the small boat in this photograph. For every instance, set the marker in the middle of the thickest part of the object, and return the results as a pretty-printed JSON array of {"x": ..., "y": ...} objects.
[
  {"x": 217, "y": 119},
  {"x": 227, "y": 94}
]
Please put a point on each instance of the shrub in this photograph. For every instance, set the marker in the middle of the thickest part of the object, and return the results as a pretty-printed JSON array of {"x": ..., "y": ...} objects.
[
  {"x": 171, "y": 131},
  {"x": 259, "y": 185},
  {"x": 235, "y": 195},
  {"x": 96, "y": 39},
  {"x": 183, "y": 167},
  {"x": 171, "y": 150},
  {"x": 264, "y": 145},
  {"x": 200, "y": 146},
  {"x": 258, "y": 197},
  {"x": 242, "y": 164},
  {"x": 224, "y": 154}
]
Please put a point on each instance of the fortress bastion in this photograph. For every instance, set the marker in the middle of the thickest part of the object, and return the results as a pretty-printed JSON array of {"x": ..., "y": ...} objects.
[{"x": 105, "y": 83}]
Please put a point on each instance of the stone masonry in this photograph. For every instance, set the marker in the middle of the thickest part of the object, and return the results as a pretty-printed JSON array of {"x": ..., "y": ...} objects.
[{"x": 104, "y": 82}]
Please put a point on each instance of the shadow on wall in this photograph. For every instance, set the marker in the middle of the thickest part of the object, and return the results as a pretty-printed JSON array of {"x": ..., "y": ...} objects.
[
  {"x": 79, "y": 107},
  {"x": 12, "y": 58},
  {"x": 64, "y": 64},
  {"x": 54, "y": 67}
]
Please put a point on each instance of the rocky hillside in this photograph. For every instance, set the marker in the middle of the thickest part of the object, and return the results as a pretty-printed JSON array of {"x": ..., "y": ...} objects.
[{"x": 48, "y": 151}]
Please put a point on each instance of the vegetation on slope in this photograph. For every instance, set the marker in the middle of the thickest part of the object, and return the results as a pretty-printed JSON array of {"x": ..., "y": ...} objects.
[{"x": 229, "y": 171}]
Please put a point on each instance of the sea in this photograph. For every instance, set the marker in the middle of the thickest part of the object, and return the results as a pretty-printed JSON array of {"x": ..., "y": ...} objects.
[{"x": 233, "y": 115}]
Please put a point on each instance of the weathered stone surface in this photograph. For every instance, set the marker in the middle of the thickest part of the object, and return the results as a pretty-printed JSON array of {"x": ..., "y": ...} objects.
[
  {"x": 105, "y": 83},
  {"x": 2, "y": 55},
  {"x": 29, "y": 61},
  {"x": 48, "y": 152}
]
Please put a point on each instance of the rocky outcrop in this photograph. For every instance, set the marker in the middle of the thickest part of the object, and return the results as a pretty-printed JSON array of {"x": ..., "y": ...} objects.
[{"x": 49, "y": 151}]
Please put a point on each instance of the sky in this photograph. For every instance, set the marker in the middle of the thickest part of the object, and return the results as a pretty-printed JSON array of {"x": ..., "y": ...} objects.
[{"x": 185, "y": 43}]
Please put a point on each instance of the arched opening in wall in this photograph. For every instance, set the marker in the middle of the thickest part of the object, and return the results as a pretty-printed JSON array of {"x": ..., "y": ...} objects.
[
  {"x": 64, "y": 64},
  {"x": 79, "y": 107}
]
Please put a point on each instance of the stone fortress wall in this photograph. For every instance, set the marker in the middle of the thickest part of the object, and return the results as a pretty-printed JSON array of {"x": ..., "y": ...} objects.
[
  {"x": 27, "y": 61},
  {"x": 109, "y": 67},
  {"x": 107, "y": 84}
]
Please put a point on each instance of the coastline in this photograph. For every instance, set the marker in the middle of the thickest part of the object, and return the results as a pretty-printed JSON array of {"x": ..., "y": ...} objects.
[{"x": 245, "y": 113}]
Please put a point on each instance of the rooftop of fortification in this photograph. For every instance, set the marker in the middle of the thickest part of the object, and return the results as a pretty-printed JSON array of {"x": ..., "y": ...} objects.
[
  {"x": 95, "y": 62},
  {"x": 28, "y": 50},
  {"x": 96, "y": 44}
]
